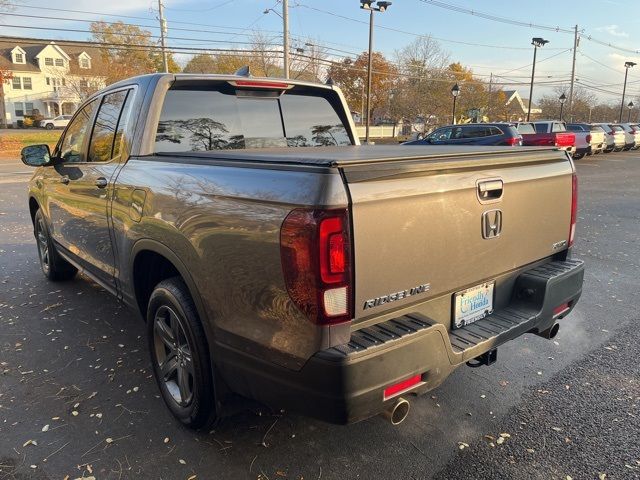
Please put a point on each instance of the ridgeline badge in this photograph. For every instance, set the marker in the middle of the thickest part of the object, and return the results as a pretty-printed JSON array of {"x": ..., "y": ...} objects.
[{"x": 393, "y": 297}]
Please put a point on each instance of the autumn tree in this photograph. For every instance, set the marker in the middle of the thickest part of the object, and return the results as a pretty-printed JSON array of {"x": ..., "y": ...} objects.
[
  {"x": 128, "y": 50},
  {"x": 420, "y": 92},
  {"x": 583, "y": 102},
  {"x": 351, "y": 76}
]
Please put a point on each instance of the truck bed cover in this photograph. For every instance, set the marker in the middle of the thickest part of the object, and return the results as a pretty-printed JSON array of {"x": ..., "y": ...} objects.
[{"x": 344, "y": 157}]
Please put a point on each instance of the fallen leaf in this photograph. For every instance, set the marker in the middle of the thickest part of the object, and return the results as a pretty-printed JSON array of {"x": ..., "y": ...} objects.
[
  {"x": 45, "y": 428},
  {"x": 182, "y": 461},
  {"x": 500, "y": 440},
  {"x": 109, "y": 440},
  {"x": 30, "y": 442},
  {"x": 166, "y": 439}
]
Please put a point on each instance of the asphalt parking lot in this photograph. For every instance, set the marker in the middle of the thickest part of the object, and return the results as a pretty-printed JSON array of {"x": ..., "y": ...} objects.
[{"x": 77, "y": 397}]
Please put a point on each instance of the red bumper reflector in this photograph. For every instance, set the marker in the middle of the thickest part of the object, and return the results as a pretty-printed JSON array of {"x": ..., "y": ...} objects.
[
  {"x": 402, "y": 386},
  {"x": 560, "y": 309}
]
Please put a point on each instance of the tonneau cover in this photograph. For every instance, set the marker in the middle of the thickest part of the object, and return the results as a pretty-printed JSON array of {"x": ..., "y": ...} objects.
[{"x": 365, "y": 154}]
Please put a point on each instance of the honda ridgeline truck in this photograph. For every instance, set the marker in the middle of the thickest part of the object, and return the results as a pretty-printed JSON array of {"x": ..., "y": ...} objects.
[{"x": 274, "y": 257}]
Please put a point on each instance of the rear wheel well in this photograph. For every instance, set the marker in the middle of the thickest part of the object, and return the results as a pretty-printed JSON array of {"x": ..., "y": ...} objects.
[
  {"x": 149, "y": 269},
  {"x": 33, "y": 208}
]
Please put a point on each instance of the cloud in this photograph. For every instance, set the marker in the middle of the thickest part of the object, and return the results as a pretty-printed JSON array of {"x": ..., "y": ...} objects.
[{"x": 613, "y": 30}]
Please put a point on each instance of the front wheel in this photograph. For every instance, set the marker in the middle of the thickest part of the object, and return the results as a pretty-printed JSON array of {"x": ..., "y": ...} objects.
[
  {"x": 180, "y": 354},
  {"x": 49, "y": 126},
  {"x": 53, "y": 266}
]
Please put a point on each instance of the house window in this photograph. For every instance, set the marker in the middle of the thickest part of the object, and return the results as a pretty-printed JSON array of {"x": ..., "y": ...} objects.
[
  {"x": 26, "y": 83},
  {"x": 59, "y": 62},
  {"x": 84, "y": 83},
  {"x": 19, "y": 58},
  {"x": 48, "y": 62},
  {"x": 48, "y": 81},
  {"x": 64, "y": 82},
  {"x": 28, "y": 108},
  {"x": 15, "y": 82},
  {"x": 84, "y": 63},
  {"x": 19, "y": 109}
]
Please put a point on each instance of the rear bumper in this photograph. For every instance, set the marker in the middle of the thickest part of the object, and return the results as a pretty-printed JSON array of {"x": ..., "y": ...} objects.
[{"x": 345, "y": 384}]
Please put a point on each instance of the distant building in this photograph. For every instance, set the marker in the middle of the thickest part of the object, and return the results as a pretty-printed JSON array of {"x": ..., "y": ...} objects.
[
  {"x": 47, "y": 78},
  {"x": 511, "y": 107}
]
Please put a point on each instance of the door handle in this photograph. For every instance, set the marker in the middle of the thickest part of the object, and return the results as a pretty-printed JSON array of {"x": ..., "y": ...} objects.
[
  {"x": 101, "y": 182},
  {"x": 490, "y": 190},
  {"x": 64, "y": 179}
]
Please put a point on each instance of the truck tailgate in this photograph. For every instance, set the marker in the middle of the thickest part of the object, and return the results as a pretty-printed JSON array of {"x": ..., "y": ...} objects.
[{"x": 420, "y": 223}]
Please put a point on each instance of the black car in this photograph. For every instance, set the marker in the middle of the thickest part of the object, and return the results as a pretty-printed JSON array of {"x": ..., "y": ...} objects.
[{"x": 472, "y": 134}]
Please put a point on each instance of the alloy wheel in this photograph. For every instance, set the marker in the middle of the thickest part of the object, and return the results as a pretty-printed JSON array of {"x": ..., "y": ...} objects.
[{"x": 173, "y": 354}]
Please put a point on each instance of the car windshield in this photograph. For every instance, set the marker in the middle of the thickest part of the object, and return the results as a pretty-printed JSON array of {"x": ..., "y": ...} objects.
[{"x": 205, "y": 118}]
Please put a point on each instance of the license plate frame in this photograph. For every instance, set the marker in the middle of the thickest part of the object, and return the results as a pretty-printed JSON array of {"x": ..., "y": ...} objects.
[{"x": 477, "y": 301}]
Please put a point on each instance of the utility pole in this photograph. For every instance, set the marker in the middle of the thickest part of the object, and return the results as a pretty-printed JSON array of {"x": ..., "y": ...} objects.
[
  {"x": 576, "y": 41},
  {"x": 490, "y": 96},
  {"x": 285, "y": 36},
  {"x": 163, "y": 32}
]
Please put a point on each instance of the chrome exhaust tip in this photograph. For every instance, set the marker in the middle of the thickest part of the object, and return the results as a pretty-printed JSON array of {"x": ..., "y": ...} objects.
[
  {"x": 397, "y": 413},
  {"x": 550, "y": 333}
]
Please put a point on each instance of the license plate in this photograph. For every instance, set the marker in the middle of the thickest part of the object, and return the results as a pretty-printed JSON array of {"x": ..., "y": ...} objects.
[{"x": 472, "y": 304}]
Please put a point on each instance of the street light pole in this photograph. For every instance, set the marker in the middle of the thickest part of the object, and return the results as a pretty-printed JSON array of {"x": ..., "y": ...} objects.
[
  {"x": 285, "y": 36},
  {"x": 381, "y": 7},
  {"x": 627, "y": 66},
  {"x": 630, "y": 107},
  {"x": 455, "y": 91},
  {"x": 536, "y": 42},
  {"x": 562, "y": 99}
]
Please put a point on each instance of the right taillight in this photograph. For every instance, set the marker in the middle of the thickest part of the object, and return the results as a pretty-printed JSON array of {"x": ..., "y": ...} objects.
[
  {"x": 315, "y": 248},
  {"x": 574, "y": 208},
  {"x": 588, "y": 139}
]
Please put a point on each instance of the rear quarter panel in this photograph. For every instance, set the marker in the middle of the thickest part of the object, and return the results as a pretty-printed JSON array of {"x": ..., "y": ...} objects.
[{"x": 223, "y": 223}]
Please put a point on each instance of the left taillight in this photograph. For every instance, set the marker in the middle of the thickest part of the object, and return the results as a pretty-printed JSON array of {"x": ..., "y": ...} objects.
[
  {"x": 514, "y": 141},
  {"x": 315, "y": 248},
  {"x": 574, "y": 208}
]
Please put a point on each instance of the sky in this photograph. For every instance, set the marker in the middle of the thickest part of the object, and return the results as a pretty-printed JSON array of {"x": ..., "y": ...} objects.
[{"x": 486, "y": 46}]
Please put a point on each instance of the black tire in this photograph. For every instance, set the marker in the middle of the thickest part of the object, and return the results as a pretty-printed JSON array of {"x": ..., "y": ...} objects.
[
  {"x": 49, "y": 126},
  {"x": 578, "y": 156},
  {"x": 180, "y": 354},
  {"x": 54, "y": 267}
]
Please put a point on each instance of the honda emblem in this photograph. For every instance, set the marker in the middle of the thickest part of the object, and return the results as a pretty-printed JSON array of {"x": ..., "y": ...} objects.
[{"x": 491, "y": 224}]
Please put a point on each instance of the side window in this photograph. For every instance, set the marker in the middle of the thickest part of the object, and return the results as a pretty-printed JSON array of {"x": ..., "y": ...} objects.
[
  {"x": 441, "y": 134},
  {"x": 71, "y": 145},
  {"x": 558, "y": 127},
  {"x": 495, "y": 131},
  {"x": 107, "y": 133}
]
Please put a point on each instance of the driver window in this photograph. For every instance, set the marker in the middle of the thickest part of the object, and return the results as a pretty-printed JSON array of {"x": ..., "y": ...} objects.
[
  {"x": 71, "y": 146},
  {"x": 443, "y": 134}
]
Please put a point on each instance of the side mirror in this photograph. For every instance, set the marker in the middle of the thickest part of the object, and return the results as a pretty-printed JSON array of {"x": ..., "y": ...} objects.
[{"x": 36, "y": 155}]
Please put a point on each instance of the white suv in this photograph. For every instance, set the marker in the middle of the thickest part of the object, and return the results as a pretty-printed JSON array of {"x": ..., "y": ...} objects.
[{"x": 60, "y": 121}]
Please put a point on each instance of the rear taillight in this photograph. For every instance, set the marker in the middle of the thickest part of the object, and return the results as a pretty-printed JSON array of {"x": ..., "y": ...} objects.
[
  {"x": 588, "y": 139},
  {"x": 574, "y": 208},
  {"x": 402, "y": 386},
  {"x": 315, "y": 248},
  {"x": 514, "y": 141}
]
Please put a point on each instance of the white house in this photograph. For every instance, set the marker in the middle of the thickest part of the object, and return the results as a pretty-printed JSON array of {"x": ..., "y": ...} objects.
[{"x": 46, "y": 77}]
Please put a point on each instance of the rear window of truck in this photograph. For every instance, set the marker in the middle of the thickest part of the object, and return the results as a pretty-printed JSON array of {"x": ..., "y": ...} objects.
[{"x": 203, "y": 119}]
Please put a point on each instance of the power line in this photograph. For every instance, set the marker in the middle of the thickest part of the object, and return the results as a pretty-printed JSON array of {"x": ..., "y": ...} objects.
[
  {"x": 391, "y": 29},
  {"x": 495, "y": 18}
]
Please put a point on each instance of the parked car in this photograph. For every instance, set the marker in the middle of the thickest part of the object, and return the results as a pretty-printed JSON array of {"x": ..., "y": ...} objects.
[
  {"x": 547, "y": 133},
  {"x": 632, "y": 136},
  {"x": 614, "y": 137},
  {"x": 272, "y": 256},
  {"x": 589, "y": 139},
  {"x": 472, "y": 134},
  {"x": 60, "y": 121}
]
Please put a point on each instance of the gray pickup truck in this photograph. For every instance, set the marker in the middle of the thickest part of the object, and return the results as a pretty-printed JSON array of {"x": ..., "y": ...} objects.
[{"x": 273, "y": 257}]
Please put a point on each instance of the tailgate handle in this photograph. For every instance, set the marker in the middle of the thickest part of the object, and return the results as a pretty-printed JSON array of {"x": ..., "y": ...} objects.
[{"x": 490, "y": 190}]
